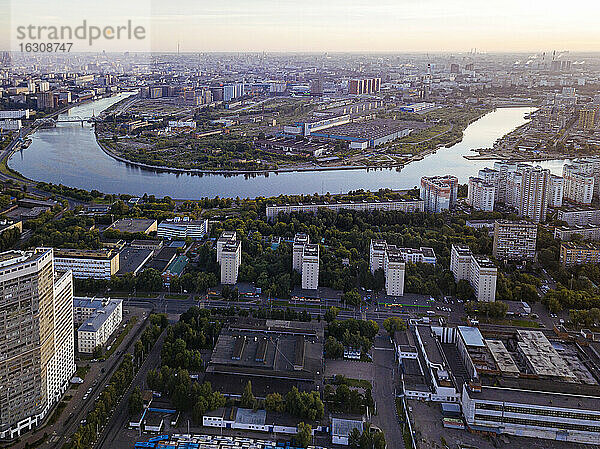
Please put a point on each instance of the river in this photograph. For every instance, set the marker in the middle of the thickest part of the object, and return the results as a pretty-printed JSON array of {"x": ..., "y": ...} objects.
[{"x": 70, "y": 155}]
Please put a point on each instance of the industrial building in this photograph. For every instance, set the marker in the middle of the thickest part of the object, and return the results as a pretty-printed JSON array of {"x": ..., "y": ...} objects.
[
  {"x": 507, "y": 381},
  {"x": 369, "y": 206},
  {"x": 367, "y": 134},
  {"x": 274, "y": 355}
]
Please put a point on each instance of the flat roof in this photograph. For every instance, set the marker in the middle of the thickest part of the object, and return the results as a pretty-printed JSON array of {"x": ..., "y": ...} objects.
[
  {"x": 471, "y": 336},
  {"x": 85, "y": 253},
  {"x": 131, "y": 259},
  {"x": 502, "y": 357},
  {"x": 541, "y": 355},
  {"x": 341, "y": 427},
  {"x": 132, "y": 225},
  {"x": 248, "y": 416}
]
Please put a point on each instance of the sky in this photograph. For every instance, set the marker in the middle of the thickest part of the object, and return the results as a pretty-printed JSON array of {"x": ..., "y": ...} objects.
[{"x": 324, "y": 25}]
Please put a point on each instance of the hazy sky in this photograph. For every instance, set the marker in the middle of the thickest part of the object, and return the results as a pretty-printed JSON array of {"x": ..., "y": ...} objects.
[{"x": 333, "y": 25}]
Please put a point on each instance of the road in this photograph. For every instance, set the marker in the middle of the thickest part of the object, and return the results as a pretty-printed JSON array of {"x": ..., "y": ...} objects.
[
  {"x": 121, "y": 415},
  {"x": 384, "y": 391}
]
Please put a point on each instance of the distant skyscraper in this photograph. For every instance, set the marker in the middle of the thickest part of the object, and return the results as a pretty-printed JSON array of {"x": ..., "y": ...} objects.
[
  {"x": 36, "y": 338},
  {"x": 316, "y": 87},
  {"x": 364, "y": 86}
]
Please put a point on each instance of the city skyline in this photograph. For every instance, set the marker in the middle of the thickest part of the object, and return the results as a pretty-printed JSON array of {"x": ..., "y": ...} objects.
[{"x": 334, "y": 26}]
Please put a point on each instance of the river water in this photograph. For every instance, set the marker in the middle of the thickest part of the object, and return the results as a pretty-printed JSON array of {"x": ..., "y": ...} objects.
[{"x": 70, "y": 155}]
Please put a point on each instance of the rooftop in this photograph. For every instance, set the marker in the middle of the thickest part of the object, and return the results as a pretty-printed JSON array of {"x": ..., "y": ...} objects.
[
  {"x": 98, "y": 318},
  {"x": 133, "y": 225},
  {"x": 471, "y": 336}
]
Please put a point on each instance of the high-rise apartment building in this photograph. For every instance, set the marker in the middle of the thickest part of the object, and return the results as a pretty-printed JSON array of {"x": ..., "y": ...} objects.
[
  {"x": 394, "y": 268},
  {"x": 589, "y": 166},
  {"x": 231, "y": 259},
  {"x": 36, "y": 338},
  {"x": 225, "y": 237},
  {"x": 533, "y": 201},
  {"x": 439, "y": 192},
  {"x": 556, "y": 191},
  {"x": 364, "y": 86},
  {"x": 377, "y": 255},
  {"x": 300, "y": 241},
  {"x": 587, "y": 118},
  {"x": 478, "y": 271},
  {"x": 504, "y": 169},
  {"x": 480, "y": 194},
  {"x": 578, "y": 184},
  {"x": 514, "y": 240},
  {"x": 310, "y": 267}
]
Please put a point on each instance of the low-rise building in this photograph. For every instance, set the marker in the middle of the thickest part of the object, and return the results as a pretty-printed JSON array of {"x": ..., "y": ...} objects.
[
  {"x": 514, "y": 240},
  {"x": 96, "y": 264},
  {"x": 572, "y": 253},
  {"x": 588, "y": 232},
  {"x": 407, "y": 206},
  {"x": 134, "y": 225},
  {"x": 98, "y": 319},
  {"x": 182, "y": 228},
  {"x": 579, "y": 216}
]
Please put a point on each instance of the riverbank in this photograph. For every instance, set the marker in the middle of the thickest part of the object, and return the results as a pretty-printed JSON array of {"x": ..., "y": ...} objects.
[
  {"x": 70, "y": 155},
  {"x": 292, "y": 169}
]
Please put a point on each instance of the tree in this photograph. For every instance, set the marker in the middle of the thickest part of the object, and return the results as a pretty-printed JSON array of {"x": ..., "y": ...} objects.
[
  {"x": 352, "y": 298},
  {"x": 248, "y": 400},
  {"x": 274, "y": 403},
  {"x": 354, "y": 439},
  {"x": 136, "y": 402},
  {"x": 303, "y": 436},
  {"x": 333, "y": 348},
  {"x": 393, "y": 324},
  {"x": 331, "y": 314},
  {"x": 464, "y": 291}
]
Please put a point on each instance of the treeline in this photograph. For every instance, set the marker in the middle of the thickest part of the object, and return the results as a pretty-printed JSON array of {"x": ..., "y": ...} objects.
[
  {"x": 344, "y": 399},
  {"x": 351, "y": 333},
  {"x": 8, "y": 238},
  {"x": 185, "y": 394},
  {"x": 185, "y": 339},
  {"x": 302, "y": 405}
]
